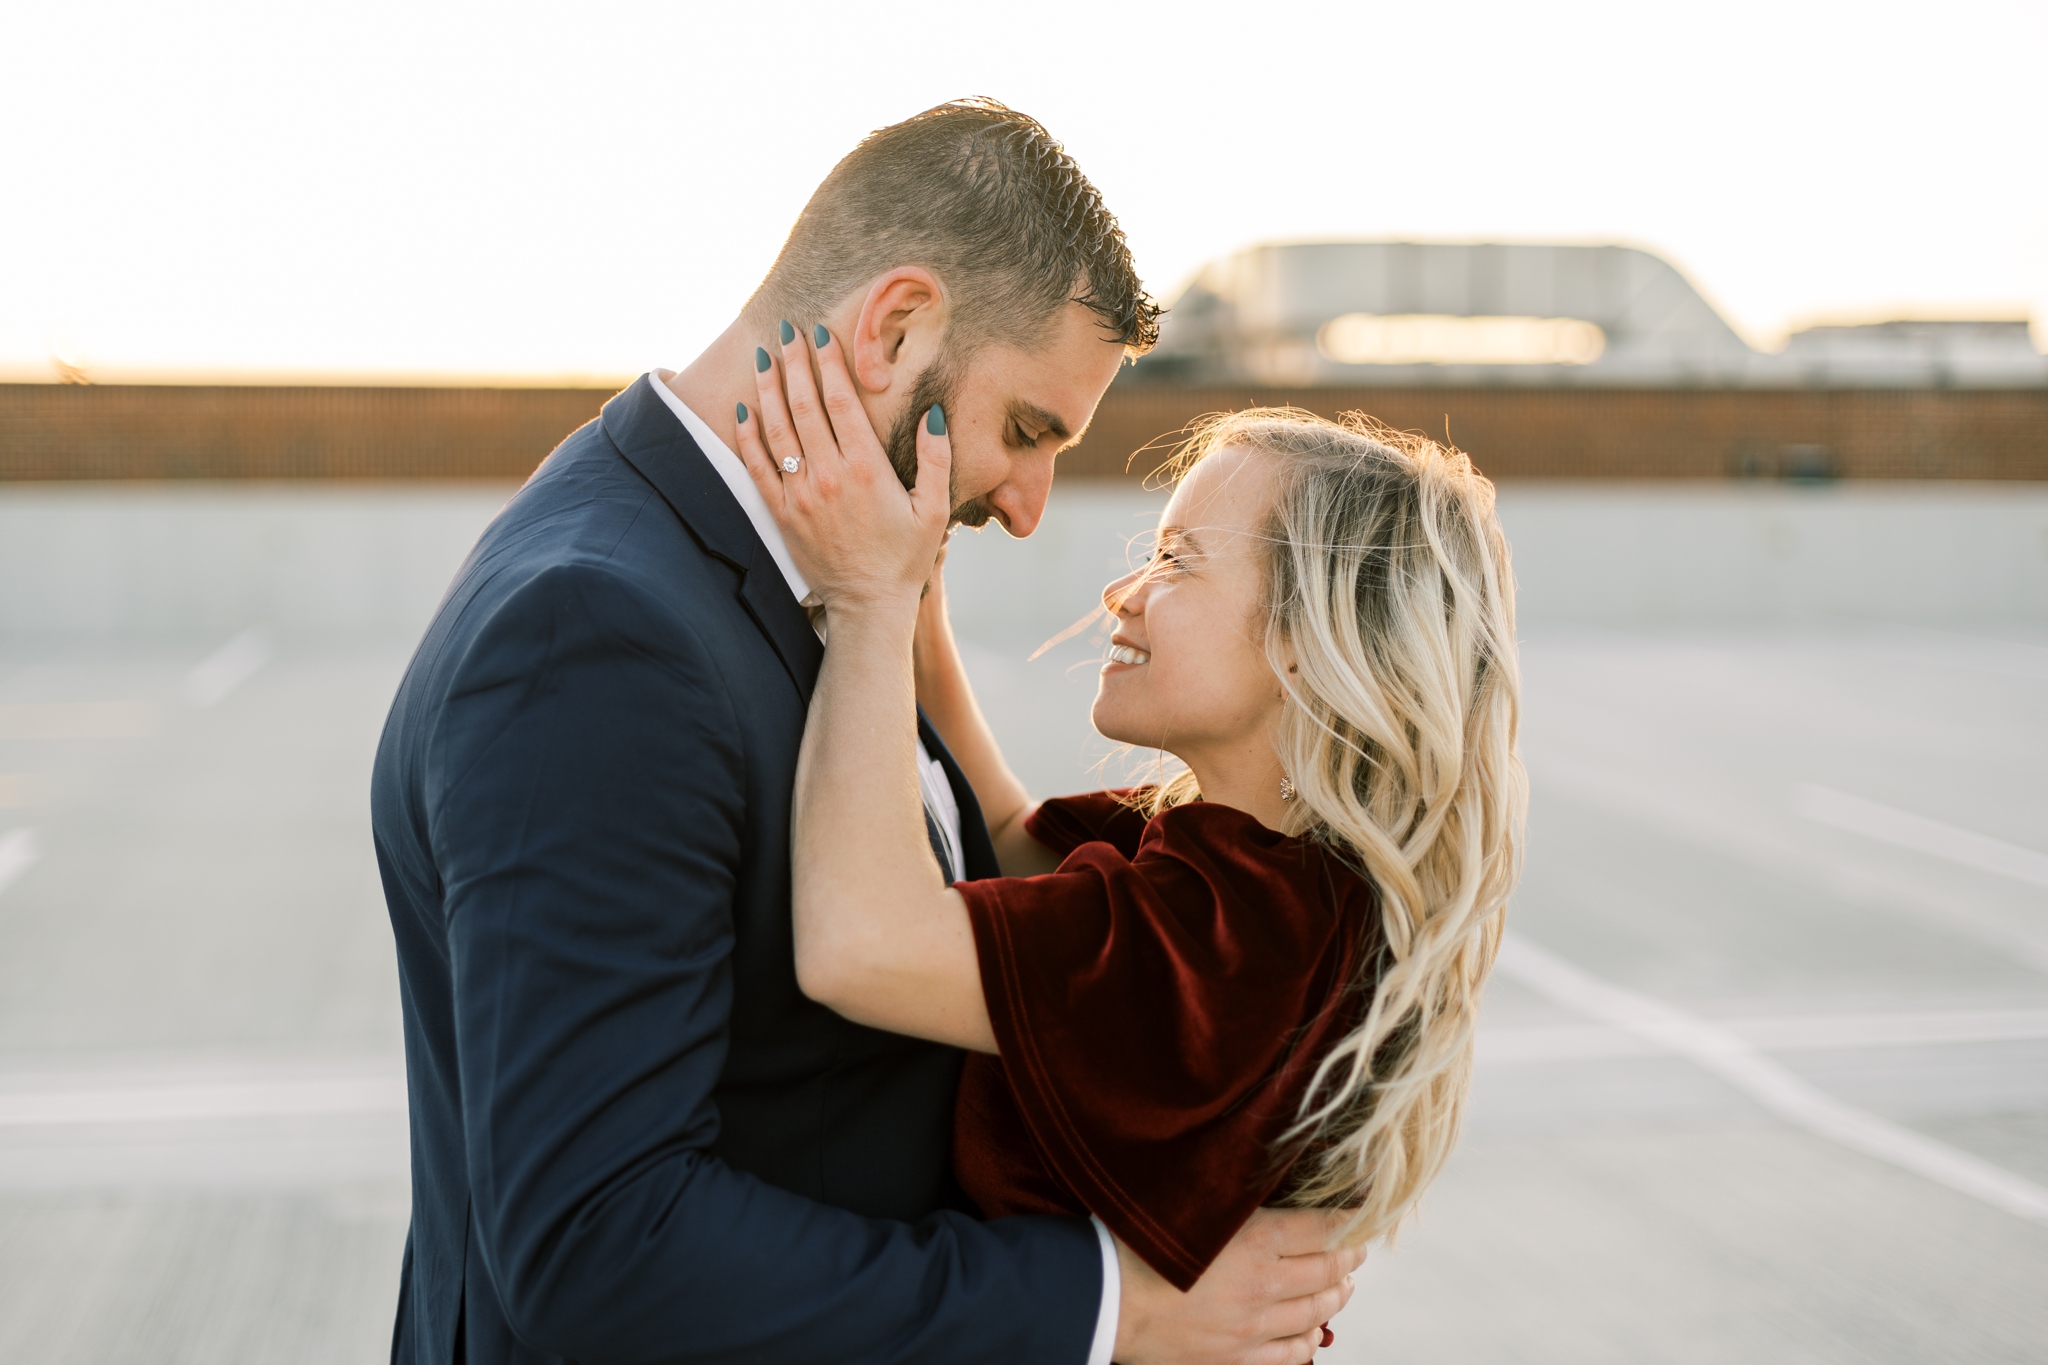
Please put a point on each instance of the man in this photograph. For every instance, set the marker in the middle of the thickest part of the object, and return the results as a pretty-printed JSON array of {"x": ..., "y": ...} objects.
[{"x": 633, "y": 1138}]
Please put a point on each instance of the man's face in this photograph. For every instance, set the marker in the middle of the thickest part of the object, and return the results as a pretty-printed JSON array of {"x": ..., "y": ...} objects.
[{"x": 1009, "y": 411}]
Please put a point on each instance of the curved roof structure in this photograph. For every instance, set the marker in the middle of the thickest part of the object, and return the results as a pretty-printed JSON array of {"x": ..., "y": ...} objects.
[{"x": 1508, "y": 314}]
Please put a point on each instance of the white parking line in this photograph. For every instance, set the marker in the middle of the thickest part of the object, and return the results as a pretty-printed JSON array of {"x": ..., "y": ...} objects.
[
  {"x": 1739, "y": 1063},
  {"x": 172, "y": 1099},
  {"x": 1818, "y": 1033},
  {"x": 1826, "y": 806},
  {"x": 1771, "y": 847},
  {"x": 75, "y": 720},
  {"x": 17, "y": 850},
  {"x": 227, "y": 667}
]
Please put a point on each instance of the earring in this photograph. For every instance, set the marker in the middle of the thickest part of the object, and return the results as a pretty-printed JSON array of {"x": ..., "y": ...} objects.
[{"x": 1286, "y": 787}]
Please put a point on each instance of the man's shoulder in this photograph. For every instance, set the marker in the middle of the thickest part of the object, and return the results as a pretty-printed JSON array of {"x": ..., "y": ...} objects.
[
  {"x": 586, "y": 551},
  {"x": 586, "y": 521}
]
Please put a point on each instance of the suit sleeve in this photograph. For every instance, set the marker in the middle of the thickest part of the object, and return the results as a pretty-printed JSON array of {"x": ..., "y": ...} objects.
[{"x": 585, "y": 806}]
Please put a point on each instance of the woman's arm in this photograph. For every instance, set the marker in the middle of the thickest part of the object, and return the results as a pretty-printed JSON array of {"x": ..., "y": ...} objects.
[
  {"x": 948, "y": 700},
  {"x": 879, "y": 936}
]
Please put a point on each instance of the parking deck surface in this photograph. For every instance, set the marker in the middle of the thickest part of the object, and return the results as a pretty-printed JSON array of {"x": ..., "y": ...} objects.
[{"x": 1766, "y": 1079}]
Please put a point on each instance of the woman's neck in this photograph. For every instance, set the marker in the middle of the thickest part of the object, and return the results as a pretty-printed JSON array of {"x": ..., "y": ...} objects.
[{"x": 1247, "y": 780}]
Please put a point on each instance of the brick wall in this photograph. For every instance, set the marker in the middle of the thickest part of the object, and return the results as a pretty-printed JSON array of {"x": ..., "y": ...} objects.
[
  {"x": 1641, "y": 433},
  {"x": 50, "y": 431},
  {"x": 124, "y": 431}
]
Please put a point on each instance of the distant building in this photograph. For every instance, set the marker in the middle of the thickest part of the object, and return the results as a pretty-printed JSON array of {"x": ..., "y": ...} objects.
[
  {"x": 1939, "y": 355},
  {"x": 1493, "y": 315}
]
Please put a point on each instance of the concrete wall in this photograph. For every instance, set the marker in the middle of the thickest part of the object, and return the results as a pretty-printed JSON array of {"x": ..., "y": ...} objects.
[
  {"x": 1640, "y": 554},
  {"x": 94, "y": 562},
  {"x": 1736, "y": 554},
  {"x": 110, "y": 563}
]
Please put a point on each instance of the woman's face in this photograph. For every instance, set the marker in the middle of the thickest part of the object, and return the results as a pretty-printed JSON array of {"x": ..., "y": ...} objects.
[{"x": 1187, "y": 670}]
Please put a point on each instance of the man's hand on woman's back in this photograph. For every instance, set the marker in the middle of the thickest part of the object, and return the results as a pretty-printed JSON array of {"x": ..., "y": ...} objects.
[{"x": 1262, "y": 1302}]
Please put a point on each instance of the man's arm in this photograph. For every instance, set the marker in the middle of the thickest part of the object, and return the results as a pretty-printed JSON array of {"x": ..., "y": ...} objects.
[{"x": 585, "y": 803}]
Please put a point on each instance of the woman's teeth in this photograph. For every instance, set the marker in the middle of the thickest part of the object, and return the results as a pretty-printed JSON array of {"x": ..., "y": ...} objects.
[{"x": 1124, "y": 654}]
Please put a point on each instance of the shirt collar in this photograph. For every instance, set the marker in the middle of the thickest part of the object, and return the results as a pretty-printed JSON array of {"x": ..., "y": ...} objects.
[{"x": 733, "y": 471}]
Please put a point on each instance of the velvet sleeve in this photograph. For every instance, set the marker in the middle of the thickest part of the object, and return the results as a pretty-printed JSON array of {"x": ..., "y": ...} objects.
[
  {"x": 1064, "y": 823},
  {"x": 1158, "y": 1016}
]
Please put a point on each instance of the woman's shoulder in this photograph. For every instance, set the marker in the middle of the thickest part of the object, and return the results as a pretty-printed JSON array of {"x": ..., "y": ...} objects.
[
  {"x": 1116, "y": 817},
  {"x": 1304, "y": 870},
  {"x": 1225, "y": 852}
]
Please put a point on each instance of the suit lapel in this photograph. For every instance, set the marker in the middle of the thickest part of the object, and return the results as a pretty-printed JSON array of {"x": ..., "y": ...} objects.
[
  {"x": 977, "y": 850},
  {"x": 655, "y": 443}
]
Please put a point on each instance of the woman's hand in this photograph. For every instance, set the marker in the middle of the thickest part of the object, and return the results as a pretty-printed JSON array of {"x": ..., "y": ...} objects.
[{"x": 853, "y": 530}]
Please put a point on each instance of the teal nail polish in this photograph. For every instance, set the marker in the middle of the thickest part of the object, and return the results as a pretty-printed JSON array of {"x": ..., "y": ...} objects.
[
  {"x": 821, "y": 336},
  {"x": 761, "y": 360},
  {"x": 935, "y": 420},
  {"x": 742, "y": 411},
  {"x": 788, "y": 332}
]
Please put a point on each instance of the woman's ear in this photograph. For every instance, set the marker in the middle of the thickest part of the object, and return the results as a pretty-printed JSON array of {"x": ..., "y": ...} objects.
[{"x": 898, "y": 332}]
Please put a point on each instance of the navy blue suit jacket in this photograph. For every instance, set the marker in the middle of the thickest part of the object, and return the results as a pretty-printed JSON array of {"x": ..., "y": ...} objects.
[{"x": 633, "y": 1138}]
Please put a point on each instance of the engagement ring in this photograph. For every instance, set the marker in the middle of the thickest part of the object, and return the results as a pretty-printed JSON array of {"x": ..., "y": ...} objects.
[{"x": 790, "y": 464}]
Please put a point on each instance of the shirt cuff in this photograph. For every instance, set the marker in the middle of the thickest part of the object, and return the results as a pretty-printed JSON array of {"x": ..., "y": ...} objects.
[{"x": 1104, "y": 1344}]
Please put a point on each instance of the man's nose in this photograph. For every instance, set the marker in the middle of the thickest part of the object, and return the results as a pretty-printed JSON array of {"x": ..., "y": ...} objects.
[{"x": 1021, "y": 499}]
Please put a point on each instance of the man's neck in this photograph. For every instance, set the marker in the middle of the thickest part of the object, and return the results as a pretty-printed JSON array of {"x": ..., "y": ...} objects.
[{"x": 720, "y": 377}]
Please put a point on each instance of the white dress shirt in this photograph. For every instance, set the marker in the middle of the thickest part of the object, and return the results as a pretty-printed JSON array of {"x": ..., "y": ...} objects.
[{"x": 937, "y": 792}]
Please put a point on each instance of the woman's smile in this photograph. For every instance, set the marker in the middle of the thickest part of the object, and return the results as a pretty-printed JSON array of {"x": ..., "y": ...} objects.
[{"x": 1125, "y": 654}]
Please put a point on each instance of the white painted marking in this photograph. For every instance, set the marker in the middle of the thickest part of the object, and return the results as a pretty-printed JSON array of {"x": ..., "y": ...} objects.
[
  {"x": 1867, "y": 818},
  {"x": 227, "y": 667},
  {"x": 17, "y": 851},
  {"x": 1979, "y": 653},
  {"x": 1828, "y": 1033},
  {"x": 1729, "y": 831},
  {"x": 1560, "y": 1043},
  {"x": 1739, "y": 1063},
  {"x": 75, "y": 720},
  {"x": 219, "y": 1099}
]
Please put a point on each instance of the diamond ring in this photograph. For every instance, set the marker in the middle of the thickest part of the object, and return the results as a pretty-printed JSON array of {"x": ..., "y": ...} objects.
[{"x": 790, "y": 464}]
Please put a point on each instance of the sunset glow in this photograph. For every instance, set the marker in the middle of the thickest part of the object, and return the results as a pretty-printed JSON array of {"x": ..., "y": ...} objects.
[{"x": 575, "y": 193}]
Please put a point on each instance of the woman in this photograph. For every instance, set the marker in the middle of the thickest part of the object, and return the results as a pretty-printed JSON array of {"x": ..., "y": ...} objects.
[{"x": 1254, "y": 983}]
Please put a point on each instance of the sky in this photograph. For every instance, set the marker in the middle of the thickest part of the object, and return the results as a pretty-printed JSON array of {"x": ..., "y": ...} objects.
[{"x": 577, "y": 192}]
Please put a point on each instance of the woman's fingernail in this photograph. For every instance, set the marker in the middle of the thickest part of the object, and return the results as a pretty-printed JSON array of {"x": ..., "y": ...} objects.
[
  {"x": 788, "y": 332},
  {"x": 742, "y": 411},
  {"x": 935, "y": 420},
  {"x": 821, "y": 336},
  {"x": 761, "y": 360}
]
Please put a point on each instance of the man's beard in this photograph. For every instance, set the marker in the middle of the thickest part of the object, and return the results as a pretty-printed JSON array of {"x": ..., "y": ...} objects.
[{"x": 935, "y": 385}]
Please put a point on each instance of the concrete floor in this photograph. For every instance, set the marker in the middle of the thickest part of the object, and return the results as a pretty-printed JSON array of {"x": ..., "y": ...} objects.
[{"x": 1791, "y": 839}]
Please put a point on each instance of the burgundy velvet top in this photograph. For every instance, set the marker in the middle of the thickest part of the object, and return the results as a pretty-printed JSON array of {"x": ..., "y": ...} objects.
[{"x": 1161, "y": 1002}]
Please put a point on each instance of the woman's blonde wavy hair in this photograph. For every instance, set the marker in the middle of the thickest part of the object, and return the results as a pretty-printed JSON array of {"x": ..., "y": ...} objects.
[{"x": 1390, "y": 620}]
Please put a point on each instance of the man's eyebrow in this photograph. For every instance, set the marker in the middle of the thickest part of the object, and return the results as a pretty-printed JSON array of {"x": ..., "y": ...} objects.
[{"x": 1030, "y": 414}]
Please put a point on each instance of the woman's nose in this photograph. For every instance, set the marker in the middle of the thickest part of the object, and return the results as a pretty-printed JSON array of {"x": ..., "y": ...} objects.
[{"x": 1120, "y": 597}]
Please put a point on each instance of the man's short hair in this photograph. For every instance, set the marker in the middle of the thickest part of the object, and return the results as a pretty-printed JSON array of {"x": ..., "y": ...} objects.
[{"x": 985, "y": 199}]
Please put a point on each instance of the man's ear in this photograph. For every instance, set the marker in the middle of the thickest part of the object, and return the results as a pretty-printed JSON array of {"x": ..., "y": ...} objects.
[{"x": 901, "y": 323}]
